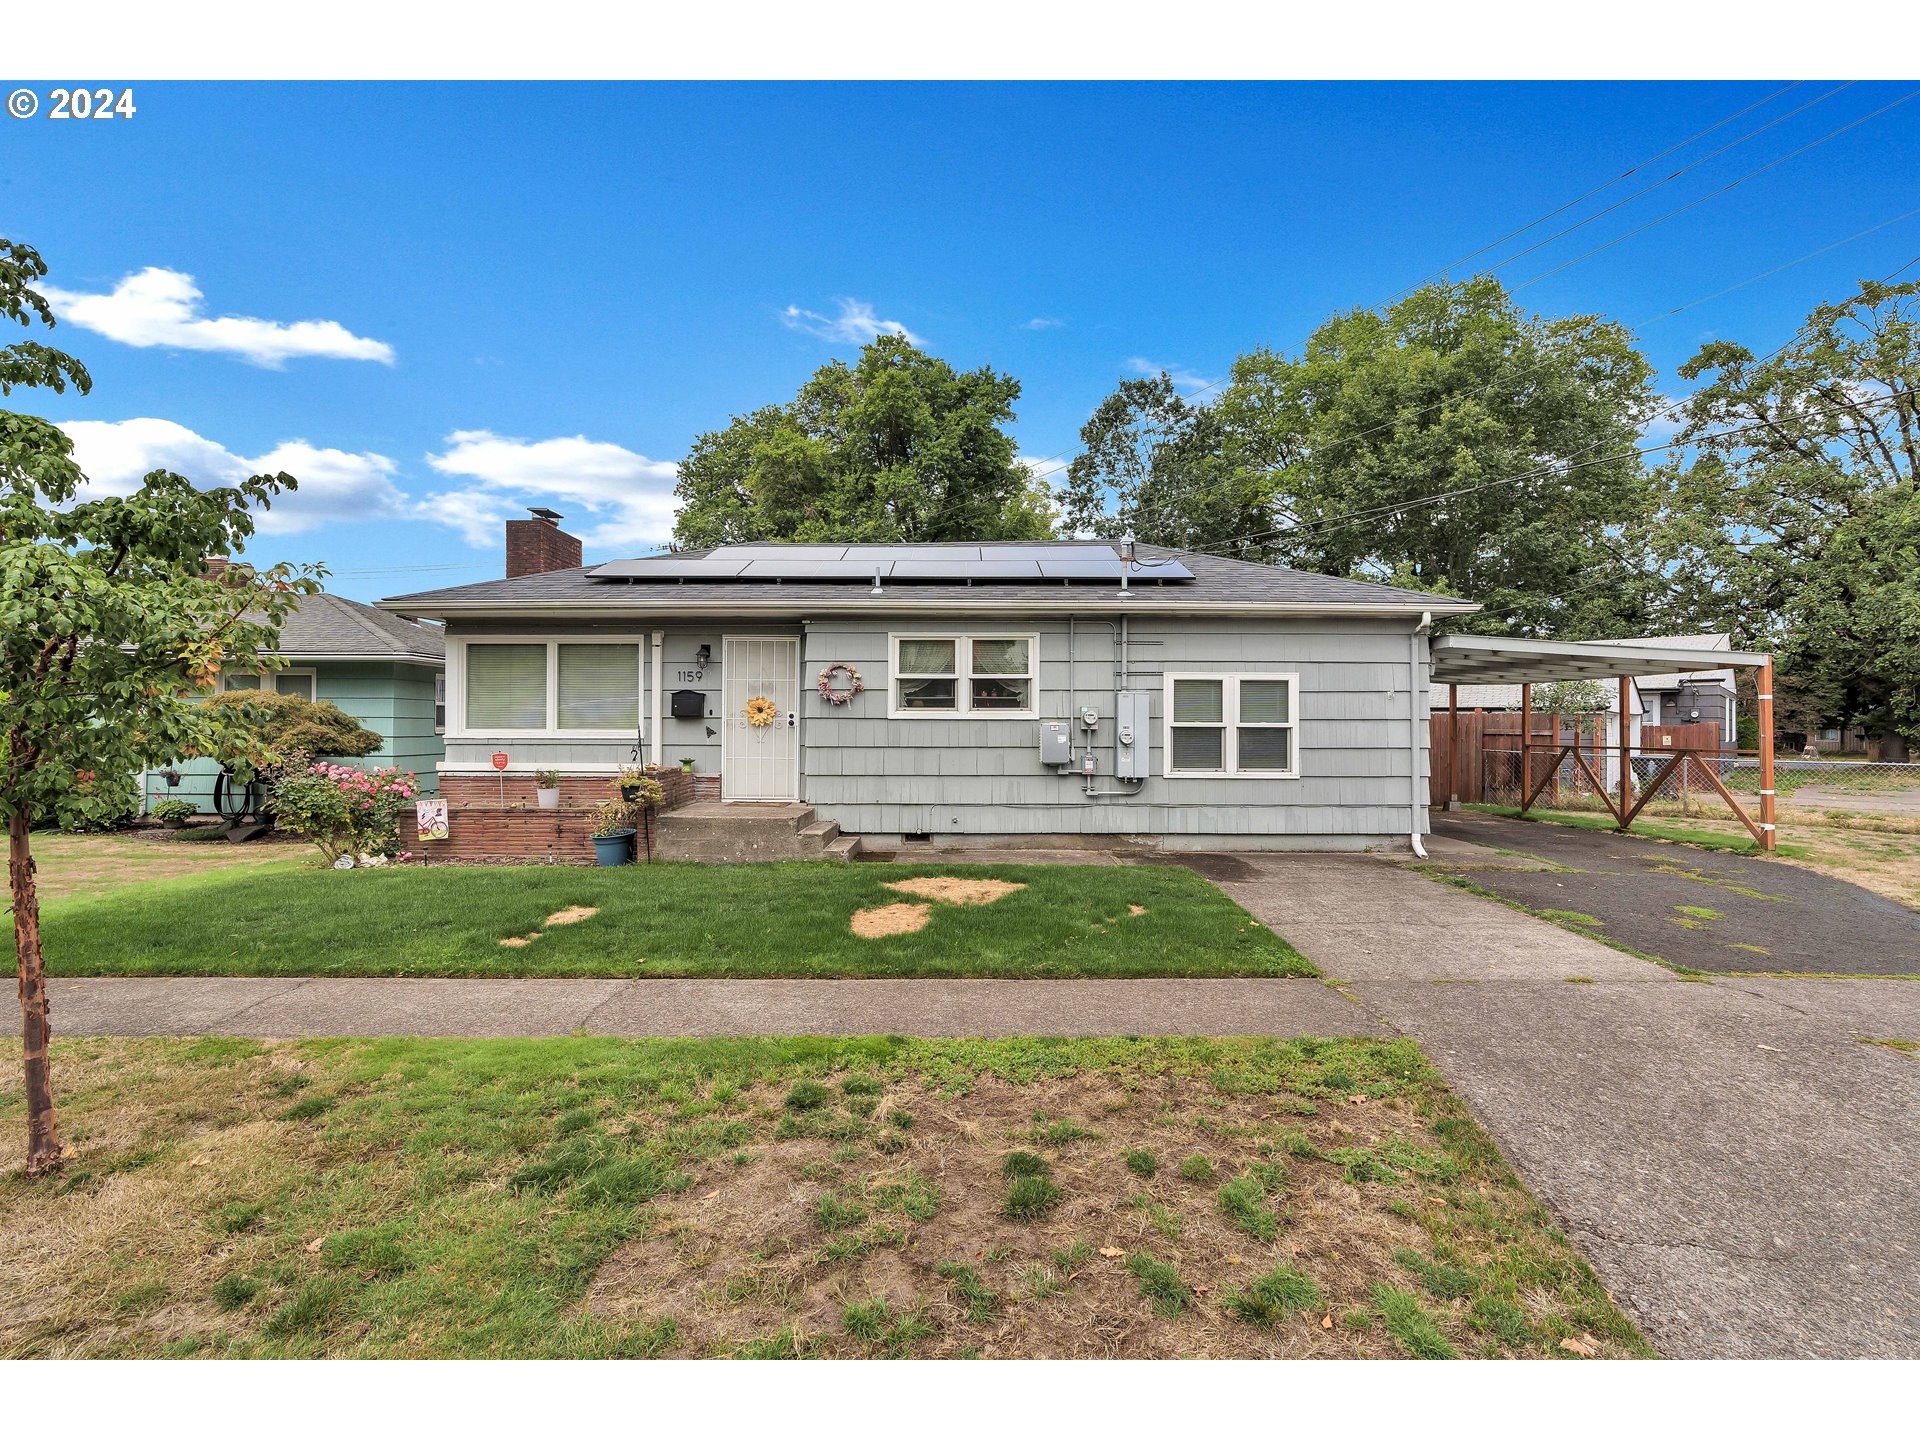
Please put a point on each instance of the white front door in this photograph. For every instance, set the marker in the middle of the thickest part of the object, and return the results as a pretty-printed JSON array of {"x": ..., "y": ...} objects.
[{"x": 760, "y": 762}]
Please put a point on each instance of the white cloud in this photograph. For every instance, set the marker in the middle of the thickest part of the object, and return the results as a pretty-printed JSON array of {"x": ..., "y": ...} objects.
[
  {"x": 162, "y": 307},
  {"x": 335, "y": 485},
  {"x": 1181, "y": 376},
  {"x": 629, "y": 496},
  {"x": 1041, "y": 322},
  {"x": 856, "y": 324},
  {"x": 1051, "y": 470}
]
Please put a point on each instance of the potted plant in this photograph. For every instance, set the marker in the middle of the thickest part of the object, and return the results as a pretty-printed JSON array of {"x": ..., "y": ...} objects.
[
  {"x": 546, "y": 786},
  {"x": 631, "y": 782},
  {"x": 613, "y": 834},
  {"x": 686, "y": 763},
  {"x": 174, "y": 813}
]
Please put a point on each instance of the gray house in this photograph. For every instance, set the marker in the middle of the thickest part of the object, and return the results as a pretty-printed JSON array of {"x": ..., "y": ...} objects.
[{"x": 958, "y": 692}]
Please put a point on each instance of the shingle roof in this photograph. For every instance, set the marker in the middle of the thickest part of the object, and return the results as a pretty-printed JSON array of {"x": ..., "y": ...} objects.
[
  {"x": 1217, "y": 584},
  {"x": 332, "y": 626}
]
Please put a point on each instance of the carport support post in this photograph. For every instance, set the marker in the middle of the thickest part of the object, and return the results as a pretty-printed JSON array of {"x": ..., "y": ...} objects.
[
  {"x": 1626, "y": 751},
  {"x": 1453, "y": 747},
  {"x": 1526, "y": 745},
  {"x": 1765, "y": 688}
]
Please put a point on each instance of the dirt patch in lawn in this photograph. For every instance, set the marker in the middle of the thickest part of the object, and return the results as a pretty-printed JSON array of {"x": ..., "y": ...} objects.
[
  {"x": 954, "y": 890},
  {"x": 901, "y": 1243},
  {"x": 884, "y": 920},
  {"x": 572, "y": 915}
]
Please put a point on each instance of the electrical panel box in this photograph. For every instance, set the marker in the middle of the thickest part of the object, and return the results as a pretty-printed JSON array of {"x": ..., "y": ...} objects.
[
  {"x": 1056, "y": 742},
  {"x": 1132, "y": 737}
]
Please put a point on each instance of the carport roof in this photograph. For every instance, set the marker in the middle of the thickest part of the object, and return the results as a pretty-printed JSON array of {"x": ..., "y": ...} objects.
[{"x": 1500, "y": 660}]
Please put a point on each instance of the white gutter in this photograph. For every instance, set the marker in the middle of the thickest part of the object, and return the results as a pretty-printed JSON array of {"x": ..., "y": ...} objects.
[
  {"x": 1418, "y": 801},
  {"x": 658, "y": 640}
]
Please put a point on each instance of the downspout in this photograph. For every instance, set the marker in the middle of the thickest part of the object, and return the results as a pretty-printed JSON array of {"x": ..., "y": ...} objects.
[
  {"x": 659, "y": 692},
  {"x": 1416, "y": 805}
]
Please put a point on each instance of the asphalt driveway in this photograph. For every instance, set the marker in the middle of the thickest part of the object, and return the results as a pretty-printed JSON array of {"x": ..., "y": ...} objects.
[{"x": 1703, "y": 909}]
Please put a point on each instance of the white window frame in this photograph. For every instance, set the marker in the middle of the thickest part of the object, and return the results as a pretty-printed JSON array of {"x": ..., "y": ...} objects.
[
  {"x": 1230, "y": 723},
  {"x": 457, "y": 686},
  {"x": 963, "y": 676},
  {"x": 271, "y": 675}
]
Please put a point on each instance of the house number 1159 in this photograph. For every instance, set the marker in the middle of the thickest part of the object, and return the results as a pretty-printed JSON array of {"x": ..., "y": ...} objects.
[{"x": 693, "y": 675}]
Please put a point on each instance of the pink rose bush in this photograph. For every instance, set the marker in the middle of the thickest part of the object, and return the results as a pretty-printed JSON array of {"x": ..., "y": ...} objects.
[{"x": 348, "y": 813}]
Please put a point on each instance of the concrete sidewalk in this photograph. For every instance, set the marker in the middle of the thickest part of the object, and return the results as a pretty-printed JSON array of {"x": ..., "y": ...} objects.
[
  {"x": 293, "y": 1007},
  {"x": 1736, "y": 1163}
]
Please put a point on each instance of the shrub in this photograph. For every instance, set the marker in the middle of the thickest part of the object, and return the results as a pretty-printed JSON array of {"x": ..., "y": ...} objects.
[
  {"x": 172, "y": 812},
  {"x": 266, "y": 728},
  {"x": 346, "y": 812}
]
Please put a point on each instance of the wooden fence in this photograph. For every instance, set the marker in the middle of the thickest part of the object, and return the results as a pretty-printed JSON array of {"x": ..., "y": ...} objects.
[{"x": 1485, "y": 757}]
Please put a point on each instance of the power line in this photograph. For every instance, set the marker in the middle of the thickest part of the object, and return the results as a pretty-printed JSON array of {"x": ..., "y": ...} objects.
[
  {"x": 1579, "y": 200},
  {"x": 1684, "y": 169},
  {"x": 1711, "y": 194}
]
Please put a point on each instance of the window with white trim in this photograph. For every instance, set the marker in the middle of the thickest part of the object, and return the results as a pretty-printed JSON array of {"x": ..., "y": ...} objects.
[
  {"x": 963, "y": 674},
  {"x": 1231, "y": 725},
  {"x": 576, "y": 687}
]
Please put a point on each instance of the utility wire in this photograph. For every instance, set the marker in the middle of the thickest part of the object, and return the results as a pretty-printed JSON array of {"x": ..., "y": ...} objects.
[
  {"x": 1608, "y": 185},
  {"x": 1712, "y": 194}
]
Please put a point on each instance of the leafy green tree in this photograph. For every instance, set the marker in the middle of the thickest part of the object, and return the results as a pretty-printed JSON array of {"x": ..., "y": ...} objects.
[
  {"x": 1330, "y": 460},
  {"x": 897, "y": 447},
  {"x": 1794, "y": 519},
  {"x": 112, "y": 627},
  {"x": 1154, "y": 463}
]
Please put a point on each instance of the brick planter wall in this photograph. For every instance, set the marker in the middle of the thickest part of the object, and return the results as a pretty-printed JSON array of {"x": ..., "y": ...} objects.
[{"x": 498, "y": 817}]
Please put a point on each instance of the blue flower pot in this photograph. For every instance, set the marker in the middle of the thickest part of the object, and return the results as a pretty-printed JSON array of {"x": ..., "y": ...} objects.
[{"x": 614, "y": 849}]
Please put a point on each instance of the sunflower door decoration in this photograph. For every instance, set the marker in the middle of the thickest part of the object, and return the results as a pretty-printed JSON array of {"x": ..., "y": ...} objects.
[{"x": 761, "y": 712}]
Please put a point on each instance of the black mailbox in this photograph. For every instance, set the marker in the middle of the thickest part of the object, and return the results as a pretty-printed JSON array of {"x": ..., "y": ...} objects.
[{"x": 689, "y": 705}]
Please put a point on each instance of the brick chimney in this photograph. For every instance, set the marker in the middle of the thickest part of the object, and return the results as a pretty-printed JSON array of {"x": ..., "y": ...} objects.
[{"x": 538, "y": 545}]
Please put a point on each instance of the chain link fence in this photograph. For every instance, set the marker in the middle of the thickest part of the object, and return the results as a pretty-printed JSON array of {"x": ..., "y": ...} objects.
[{"x": 1855, "y": 787}]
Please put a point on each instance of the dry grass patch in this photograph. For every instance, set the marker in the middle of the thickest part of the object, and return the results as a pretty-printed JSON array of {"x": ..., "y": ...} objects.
[
  {"x": 572, "y": 915},
  {"x": 955, "y": 889},
  {"x": 884, "y": 920},
  {"x": 808, "y": 1197}
]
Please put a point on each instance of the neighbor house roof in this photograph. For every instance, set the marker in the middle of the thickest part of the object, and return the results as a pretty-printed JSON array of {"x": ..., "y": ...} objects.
[
  {"x": 332, "y": 627},
  {"x": 1215, "y": 584}
]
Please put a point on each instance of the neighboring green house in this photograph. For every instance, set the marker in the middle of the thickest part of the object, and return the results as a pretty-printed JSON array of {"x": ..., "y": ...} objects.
[{"x": 386, "y": 672}]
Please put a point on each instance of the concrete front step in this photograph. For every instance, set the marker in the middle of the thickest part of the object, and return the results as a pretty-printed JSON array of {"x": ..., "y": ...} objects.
[{"x": 726, "y": 833}]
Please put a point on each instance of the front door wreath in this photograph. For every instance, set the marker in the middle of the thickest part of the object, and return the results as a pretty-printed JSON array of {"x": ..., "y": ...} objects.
[
  {"x": 837, "y": 694},
  {"x": 761, "y": 712}
]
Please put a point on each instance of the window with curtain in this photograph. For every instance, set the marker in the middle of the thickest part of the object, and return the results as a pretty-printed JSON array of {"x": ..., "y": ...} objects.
[
  {"x": 1230, "y": 725},
  {"x": 506, "y": 687},
  {"x": 599, "y": 687},
  {"x": 926, "y": 674},
  {"x": 962, "y": 674}
]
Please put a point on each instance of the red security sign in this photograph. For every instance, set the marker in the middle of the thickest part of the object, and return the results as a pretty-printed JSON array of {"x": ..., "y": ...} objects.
[{"x": 499, "y": 759}]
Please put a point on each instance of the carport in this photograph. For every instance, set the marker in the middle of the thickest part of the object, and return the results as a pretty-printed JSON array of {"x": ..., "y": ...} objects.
[{"x": 1498, "y": 660}]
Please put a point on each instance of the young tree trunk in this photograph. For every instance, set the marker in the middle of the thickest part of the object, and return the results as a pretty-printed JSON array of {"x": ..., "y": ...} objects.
[{"x": 43, "y": 1144}]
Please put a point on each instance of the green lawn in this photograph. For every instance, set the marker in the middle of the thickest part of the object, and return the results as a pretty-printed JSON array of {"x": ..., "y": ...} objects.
[
  {"x": 718, "y": 920},
  {"x": 776, "y": 1198}
]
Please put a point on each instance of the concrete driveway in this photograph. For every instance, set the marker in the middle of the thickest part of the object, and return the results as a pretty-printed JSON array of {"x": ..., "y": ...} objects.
[
  {"x": 1734, "y": 1160},
  {"x": 1703, "y": 909}
]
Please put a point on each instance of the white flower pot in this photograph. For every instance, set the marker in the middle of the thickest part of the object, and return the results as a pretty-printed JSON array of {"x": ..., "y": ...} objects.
[{"x": 549, "y": 798}]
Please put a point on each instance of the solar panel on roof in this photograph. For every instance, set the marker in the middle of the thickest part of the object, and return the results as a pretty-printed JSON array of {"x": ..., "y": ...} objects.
[
  {"x": 667, "y": 567},
  {"x": 780, "y": 552},
  {"x": 966, "y": 570},
  {"x": 931, "y": 554},
  {"x": 812, "y": 569},
  {"x": 1081, "y": 569}
]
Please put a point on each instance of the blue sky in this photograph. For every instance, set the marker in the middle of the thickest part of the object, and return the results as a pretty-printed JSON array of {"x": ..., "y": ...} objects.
[{"x": 439, "y": 303}]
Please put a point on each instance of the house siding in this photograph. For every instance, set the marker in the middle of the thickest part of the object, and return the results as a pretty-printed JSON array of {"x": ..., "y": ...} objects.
[{"x": 977, "y": 777}]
